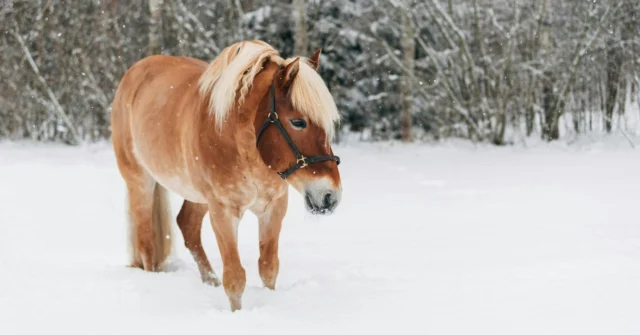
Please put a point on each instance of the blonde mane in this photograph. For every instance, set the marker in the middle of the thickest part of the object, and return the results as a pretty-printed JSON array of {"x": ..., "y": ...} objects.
[
  {"x": 311, "y": 97},
  {"x": 238, "y": 64}
]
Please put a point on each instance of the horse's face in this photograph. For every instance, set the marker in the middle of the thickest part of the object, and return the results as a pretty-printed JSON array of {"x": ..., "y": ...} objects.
[{"x": 317, "y": 178}]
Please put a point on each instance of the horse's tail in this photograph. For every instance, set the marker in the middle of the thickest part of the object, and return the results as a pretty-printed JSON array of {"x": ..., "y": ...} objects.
[{"x": 161, "y": 224}]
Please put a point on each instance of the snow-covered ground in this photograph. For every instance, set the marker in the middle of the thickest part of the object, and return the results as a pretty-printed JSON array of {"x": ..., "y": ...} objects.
[{"x": 442, "y": 239}]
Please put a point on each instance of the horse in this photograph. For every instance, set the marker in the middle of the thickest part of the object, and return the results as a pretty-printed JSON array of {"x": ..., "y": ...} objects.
[{"x": 228, "y": 137}]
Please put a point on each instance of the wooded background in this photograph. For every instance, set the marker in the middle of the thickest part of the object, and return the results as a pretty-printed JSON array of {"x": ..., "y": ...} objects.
[{"x": 486, "y": 70}]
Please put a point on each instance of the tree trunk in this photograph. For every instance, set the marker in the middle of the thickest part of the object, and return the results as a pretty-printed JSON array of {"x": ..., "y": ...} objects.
[
  {"x": 155, "y": 9},
  {"x": 550, "y": 130},
  {"x": 409, "y": 48},
  {"x": 614, "y": 62},
  {"x": 302, "y": 41},
  {"x": 530, "y": 115},
  {"x": 537, "y": 44}
]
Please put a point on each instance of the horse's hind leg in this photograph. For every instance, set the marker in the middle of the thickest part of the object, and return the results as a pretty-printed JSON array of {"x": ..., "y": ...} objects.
[
  {"x": 149, "y": 220},
  {"x": 190, "y": 223},
  {"x": 139, "y": 219},
  {"x": 149, "y": 224}
]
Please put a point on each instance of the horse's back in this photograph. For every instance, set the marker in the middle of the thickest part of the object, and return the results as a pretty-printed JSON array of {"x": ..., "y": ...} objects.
[
  {"x": 153, "y": 78},
  {"x": 154, "y": 70}
]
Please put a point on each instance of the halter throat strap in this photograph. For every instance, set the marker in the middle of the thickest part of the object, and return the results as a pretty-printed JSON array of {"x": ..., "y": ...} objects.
[{"x": 272, "y": 118}]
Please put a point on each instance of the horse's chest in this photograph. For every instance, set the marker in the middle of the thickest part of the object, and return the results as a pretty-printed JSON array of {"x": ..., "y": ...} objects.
[
  {"x": 241, "y": 192},
  {"x": 250, "y": 194},
  {"x": 266, "y": 193}
]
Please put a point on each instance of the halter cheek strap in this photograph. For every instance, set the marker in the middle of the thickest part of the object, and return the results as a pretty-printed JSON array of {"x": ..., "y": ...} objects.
[{"x": 301, "y": 160}]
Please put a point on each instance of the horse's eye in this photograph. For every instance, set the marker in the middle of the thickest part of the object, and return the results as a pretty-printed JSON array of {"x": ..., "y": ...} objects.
[{"x": 298, "y": 123}]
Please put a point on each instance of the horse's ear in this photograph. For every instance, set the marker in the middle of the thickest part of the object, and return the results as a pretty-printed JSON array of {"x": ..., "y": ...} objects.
[
  {"x": 314, "y": 60},
  {"x": 265, "y": 62},
  {"x": 290, "y": 72}
]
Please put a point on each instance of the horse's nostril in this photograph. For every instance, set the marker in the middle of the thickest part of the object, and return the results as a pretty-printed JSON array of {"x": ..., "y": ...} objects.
[
  {"x": 309, "y": 202},
  {"x": 328, "y": 200}
]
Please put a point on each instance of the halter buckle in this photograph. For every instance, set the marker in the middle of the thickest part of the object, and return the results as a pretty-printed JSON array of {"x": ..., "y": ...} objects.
[
  {"x": 303, "y": 160},
  {"x": 273, "y": 116}
]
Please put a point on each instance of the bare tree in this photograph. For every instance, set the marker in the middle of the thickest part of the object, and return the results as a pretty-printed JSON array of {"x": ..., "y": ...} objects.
[
  {"x": 155, "y": 9},
  {"x": 408, "y": 48},
  {"x": 301, "y": 39},
  {"x": 485, "y": 70}
]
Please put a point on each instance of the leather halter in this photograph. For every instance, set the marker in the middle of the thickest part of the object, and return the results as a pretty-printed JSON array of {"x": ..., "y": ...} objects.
[{"x": 272, "y": 118}]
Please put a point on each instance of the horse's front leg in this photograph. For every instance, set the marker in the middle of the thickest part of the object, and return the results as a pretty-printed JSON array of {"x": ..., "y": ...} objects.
[
  {"x": 270, "y": 225},
  {"x": 190, "y": 223},
  {"x": 225, "y": 226}
]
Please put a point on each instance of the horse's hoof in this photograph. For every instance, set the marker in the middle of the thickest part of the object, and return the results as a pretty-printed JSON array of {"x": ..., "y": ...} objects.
[
  {"x": 236, "y": 304},
  {"x": 271, "y": 285},
  {"x": 211, "y": 279},
  {"x": 135, "y": 265}
]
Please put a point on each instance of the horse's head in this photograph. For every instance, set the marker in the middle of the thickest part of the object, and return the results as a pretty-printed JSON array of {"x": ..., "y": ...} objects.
[
  {"x": 295, "y": 125},
  {"x": 294, "y": 120}
]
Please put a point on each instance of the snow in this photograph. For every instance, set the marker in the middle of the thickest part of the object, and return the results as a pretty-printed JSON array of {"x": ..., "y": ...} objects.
[{"x": 435, "y": 239}]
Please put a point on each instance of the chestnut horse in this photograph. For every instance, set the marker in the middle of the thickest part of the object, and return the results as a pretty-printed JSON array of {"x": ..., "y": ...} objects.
[{"x": 227, "y": 137}]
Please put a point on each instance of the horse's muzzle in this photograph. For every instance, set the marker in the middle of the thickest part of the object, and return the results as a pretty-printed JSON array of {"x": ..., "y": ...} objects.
[{"x": 321, "y": 202}]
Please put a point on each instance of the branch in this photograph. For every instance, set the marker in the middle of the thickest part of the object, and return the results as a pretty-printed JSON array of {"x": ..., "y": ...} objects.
[
  {"x": 211, "y": 43},
  {"x": 624, "y": 133},
  {"x": 464, "y": 46},
  {"x": 581, "y": 50},
  {"x": 448, "y": 89},
  {"x": 54, "y": 100}
]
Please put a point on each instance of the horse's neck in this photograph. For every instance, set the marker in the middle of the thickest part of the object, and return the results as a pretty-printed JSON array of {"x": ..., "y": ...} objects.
[{"x": 236, "y": 135}]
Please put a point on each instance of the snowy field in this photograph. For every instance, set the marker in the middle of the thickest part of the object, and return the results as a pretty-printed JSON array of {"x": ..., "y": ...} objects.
[{"x": 442, "y": 239}]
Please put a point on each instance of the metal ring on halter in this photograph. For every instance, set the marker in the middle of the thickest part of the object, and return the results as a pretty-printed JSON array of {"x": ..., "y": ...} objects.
[{"x": 303, "y": 160}]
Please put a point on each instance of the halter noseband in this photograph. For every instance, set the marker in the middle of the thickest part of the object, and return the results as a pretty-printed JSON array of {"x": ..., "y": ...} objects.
[{"x": 272, "y": 118}]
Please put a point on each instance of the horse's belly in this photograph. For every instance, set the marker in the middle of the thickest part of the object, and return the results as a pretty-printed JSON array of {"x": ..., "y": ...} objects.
[
  {"x": 181, "y": 186},
  {"x": 173, "y": 176}
]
